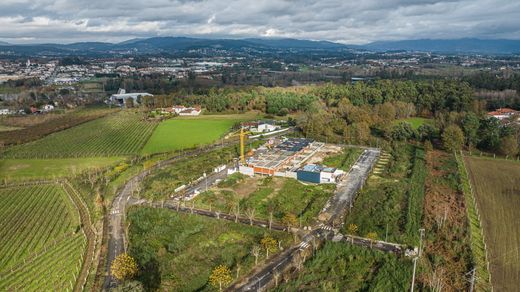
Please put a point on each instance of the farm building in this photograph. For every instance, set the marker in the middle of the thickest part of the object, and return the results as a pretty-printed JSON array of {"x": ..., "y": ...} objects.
[
  {"x": 121, "y": 97},
  {"x": 503, "y": 113},
  {"x": 261, "y": 126}
]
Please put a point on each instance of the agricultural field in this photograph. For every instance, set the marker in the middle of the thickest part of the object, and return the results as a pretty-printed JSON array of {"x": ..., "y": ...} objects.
[
  {"x": 497, "y": 190},
  {"x": 176, "y": 134},
  {"x": 119, "y": 134},
  {"x": 280, "y": 196},
  {"x": 177, "y": 252},
  {"x": 21, "y": 169},
  {"x": 32, "y": 127},
  {"x": 339, "y": 266},
  {"x": 415, "y": 122},
  {"x": 41, "y": 244}
]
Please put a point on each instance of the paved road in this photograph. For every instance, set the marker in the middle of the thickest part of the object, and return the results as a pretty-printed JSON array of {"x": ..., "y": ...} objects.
[
  {"x": 116, "y": 241},
  {"x": 334, "y": 212}
]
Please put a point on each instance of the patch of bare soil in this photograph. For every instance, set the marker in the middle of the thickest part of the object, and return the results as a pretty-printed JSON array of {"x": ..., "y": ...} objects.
[{"x": 446, "y": 250}]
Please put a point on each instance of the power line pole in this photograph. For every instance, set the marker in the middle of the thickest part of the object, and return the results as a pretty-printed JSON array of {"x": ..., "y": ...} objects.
[
  {"x": 413, "y": 276},
  {"x": 472, "y": 279},
  {"x": 421, "y": 231}
]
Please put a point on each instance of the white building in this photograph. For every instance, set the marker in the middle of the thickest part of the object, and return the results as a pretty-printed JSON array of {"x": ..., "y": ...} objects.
[{"x": 121, "y": 97}]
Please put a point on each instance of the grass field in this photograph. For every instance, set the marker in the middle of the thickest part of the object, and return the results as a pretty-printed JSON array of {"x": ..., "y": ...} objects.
[
  {"x": 390, "y": 203},
  {"x": 8, "y": 128},
  {"x": 123, "y": 133},
  {"x": 343, "y": 267},
  {"x": 282, "y": 195},
  {"x": 176, "y": 134},
  {"x": 176, "y": 252},
  {"x": 17, "y": 169},
  {"x": 40, "y": 241},
  {"x": 497, "y": 190},
  {"x": 415, "y": 122}
]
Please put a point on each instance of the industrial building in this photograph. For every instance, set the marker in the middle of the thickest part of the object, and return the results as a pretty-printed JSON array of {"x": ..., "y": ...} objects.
[
  {"x": 288, "y": 158},
  {"x": 318, "y": 174},
  {"x": 121, "y": 97}
]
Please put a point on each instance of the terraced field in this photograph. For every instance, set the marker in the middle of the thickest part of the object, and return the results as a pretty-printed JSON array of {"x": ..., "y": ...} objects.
[
  {"x": 41, "y": 245},
  {"x": 123, "y": 133}
]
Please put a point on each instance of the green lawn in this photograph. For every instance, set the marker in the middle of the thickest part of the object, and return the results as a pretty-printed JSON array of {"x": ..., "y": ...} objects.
[
  {"x": 415, "y": 122},
  {"x": 176, "y": 134},
  {"x": 48, "y": 168}
]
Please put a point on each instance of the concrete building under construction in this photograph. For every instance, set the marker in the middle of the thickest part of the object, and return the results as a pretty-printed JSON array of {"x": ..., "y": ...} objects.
[{"x": 286, "y": 158}]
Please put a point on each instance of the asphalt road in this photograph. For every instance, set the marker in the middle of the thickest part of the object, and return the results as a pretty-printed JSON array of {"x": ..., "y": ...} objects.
[
  {"x": 347, "y": 189},
  {"x": 116, "y": 240},
  {"x": 335, "y": 210}
]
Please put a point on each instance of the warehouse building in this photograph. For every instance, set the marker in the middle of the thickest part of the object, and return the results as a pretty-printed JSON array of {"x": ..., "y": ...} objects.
[{"x": 319, "y": 174}]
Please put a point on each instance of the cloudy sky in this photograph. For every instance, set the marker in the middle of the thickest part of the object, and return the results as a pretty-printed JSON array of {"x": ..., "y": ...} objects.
[{"x": 345, "y": 21}]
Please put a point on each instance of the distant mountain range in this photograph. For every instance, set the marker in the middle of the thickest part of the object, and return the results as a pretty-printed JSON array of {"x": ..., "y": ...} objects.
[
  {"x": 157, "y": 45},
  {"x": 468, "y": 45}
]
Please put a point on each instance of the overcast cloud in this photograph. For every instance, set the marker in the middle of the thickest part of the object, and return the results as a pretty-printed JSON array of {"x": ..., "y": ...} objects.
[{"x": 345, "y": 21}]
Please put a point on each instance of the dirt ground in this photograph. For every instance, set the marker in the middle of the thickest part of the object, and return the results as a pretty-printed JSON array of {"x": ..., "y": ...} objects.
[{"x": 446, "y": 248}]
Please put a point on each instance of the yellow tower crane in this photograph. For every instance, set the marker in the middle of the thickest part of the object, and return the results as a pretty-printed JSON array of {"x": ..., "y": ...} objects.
[{"x": 242, "y": 146}]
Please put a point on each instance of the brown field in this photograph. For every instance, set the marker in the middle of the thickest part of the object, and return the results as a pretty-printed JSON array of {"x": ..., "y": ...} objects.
[
  {"x": 446, "y": 245},
  {"x": 496, "y": 185}
]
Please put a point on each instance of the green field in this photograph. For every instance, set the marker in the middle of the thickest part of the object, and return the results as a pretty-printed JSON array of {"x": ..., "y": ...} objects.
[
  {"x": 41, "y": 245},
  {"x": 343, "y": 160},
  {"x": 281, "y": 195},
  {"x": 415, "y": 122},
  {"x": 390, "y": 203},
  {"x": 17, "y": 169},
  {"x": 176, "y": 252},
  {"x": 178, "y": 134},
  {"x": 343, "y": 267},
  {"x": 497, "y": 190},
  {"x": 122, "y": 133}
]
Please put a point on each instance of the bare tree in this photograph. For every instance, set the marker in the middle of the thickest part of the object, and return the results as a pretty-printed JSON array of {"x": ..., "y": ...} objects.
[
  {"x": 436, "y": 280},
  {"x": 250, "y": 213},
  {"x": 276, "y": 276},
  {"x": 255, "y": 251},
  {"x": 236, "y": 211}
]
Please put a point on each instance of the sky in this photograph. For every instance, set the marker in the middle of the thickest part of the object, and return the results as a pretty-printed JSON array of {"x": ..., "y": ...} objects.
[{"x": 343, "y": 21}]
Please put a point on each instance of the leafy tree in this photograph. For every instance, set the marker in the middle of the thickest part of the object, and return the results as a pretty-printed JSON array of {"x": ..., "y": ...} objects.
[
  {"x": 426, "y": 132},
  {"x": 402, "y": 131},
  {"x": 470, "y": 125},
  {"x": 269, "y": 244},
  {"x": 452, "y": 138},
  {"x": 124, "y": 267},
  {"x": 290, "y": 220},
  {"x": 372, "y": 236},
  {"x": 489, "y": 134},
  {"x": 220, "y": 276},
  {"x": 509, "y": 145}
]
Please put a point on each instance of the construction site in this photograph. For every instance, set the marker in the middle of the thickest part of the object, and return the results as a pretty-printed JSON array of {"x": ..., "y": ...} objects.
[{"x": 296, "y": 158}]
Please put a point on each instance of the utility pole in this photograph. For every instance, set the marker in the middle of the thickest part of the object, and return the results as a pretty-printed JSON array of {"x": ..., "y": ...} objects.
[
  {"x": 421, "y": 231},
  {"x": 413, "y": 276},
  {"x": 472, "y": 279}
]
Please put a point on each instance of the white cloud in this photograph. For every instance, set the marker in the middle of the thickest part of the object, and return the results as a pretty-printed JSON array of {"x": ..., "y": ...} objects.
[{"x": 336, "y": 20}]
